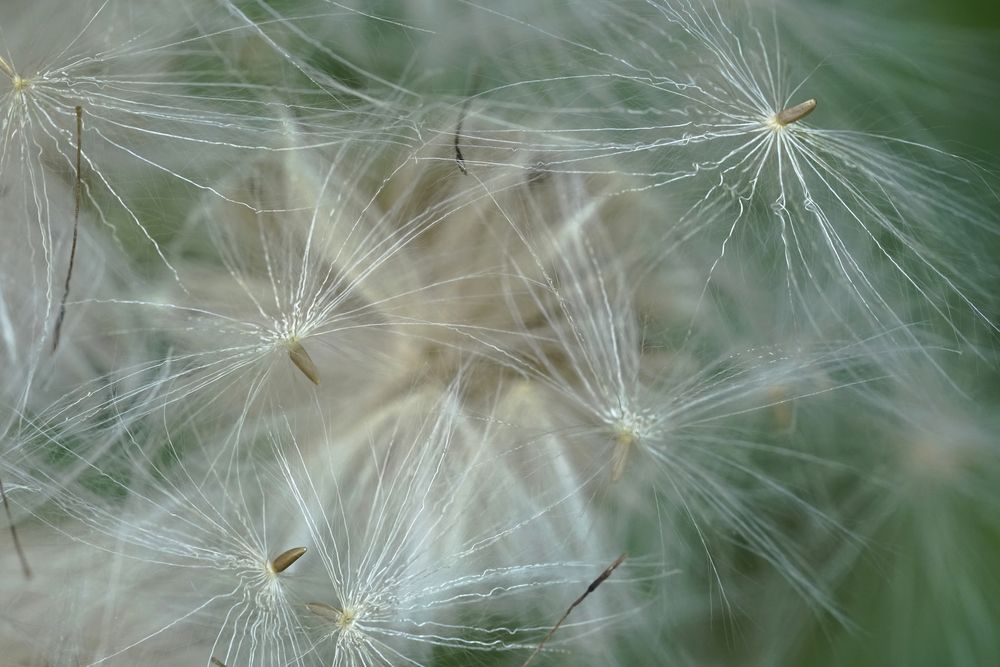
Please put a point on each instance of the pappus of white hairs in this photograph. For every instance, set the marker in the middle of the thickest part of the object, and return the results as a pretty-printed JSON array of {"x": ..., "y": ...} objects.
[
  {"x": 704, "y": 111},
  {"x": 314, "y": 294},
  {"x": 665, "y": 433},
  {"x": 202, "y": 548},
  {"x": 153, "y": 85},
  {"x": 419, "y": 549}
]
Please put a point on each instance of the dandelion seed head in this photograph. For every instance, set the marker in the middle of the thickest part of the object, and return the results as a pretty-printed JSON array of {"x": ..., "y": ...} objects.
[
  {"x": 20, "y": 85},
  {"x": 346, "y": 624},
  {"x": 261, "y": 583},
  {"x": 634, "y": 424},
  {"x": 630, "y": 428},
  {"x": 356, "y": 625}
]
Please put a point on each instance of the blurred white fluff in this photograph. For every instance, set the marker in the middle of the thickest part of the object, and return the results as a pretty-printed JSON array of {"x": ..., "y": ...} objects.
[
  {"x": 394, "y": 324},
  {"x": 915, "y": 484}
]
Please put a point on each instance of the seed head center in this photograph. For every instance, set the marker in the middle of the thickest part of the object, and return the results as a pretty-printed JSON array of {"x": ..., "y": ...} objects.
[
  {"x": 20, "y": 84},
  {"x": 347, "y": 618}
]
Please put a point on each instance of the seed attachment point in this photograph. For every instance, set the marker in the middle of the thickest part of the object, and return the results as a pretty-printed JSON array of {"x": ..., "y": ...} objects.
[
  {"x": 284, "y": 560},
  {"x": 303, "y": 361},
  {"x": 795, "y": 113}
]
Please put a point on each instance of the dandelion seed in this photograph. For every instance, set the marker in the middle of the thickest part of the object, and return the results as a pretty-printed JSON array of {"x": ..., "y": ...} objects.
[
  {"x": 795, "y": 113},
  {"x": 284, "y": 560},
  {"x": 700, "y": 110},
  {"x": 146, "y": 109},
  {"x": 311, "y": 278},
  {"x": 588, "y": 349},
  {"x": 217, "y": 663},
  {"x": 407, "y": 573},
  {"x": 169, "y": 524},
  {"x": 303, "y": 361}
]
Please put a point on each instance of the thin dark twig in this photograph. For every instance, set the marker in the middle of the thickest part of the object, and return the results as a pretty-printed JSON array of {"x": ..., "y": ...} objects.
[
  {"x": 13, "y": 534},
  {"x": 590, "y": 589},
  {"x": 78, "y": 197},
  {"x": 459, "y": 158}
]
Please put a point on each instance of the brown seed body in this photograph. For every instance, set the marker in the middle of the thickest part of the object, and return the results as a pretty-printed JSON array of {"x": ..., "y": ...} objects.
[
  {"x": 303, "y": 361},
  {"x": 796, "y": 113},
  {"x": 619, "y": 457},
  {"x": 324, "y": 611},
  {"x": 283, "y": 561}
]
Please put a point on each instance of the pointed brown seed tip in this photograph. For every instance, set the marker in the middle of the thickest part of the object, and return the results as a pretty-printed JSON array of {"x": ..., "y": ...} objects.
[
  {"x": 623, "y": 443},
  {"x": 217, "y": 663},
  {"x": 303, "y": 361},
  {"x": 796, "y": 113},
  {"x": 324, "y": 611},
  {"x": 283, "y": 561}
]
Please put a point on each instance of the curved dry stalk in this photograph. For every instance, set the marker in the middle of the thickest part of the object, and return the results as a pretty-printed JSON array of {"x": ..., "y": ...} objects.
[
  {"x": 590, "y": 589},
  {"x": 77, "y": 196},
  {"x": 13, "y": 534}
]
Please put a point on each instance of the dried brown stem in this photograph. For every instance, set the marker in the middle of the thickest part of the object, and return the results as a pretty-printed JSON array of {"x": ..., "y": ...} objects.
[
  {"x": 13, "y": 534},
  {"x": 78, "y": 196},
  {"x": 590, "y": 589},
  {"x": 459, "y": 158}
]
